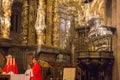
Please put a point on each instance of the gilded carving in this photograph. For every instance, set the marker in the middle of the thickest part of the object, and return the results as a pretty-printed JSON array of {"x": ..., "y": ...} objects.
[
  {"x": 56, "y": 25},
  {"x": 32, "y": 18},
  {"x": 49, "y": 22},
  {"x": 86, "y": 11},
  {"x": 5, "y": 18},
  {"x": 40, "y": 23},
  {"x": 98, "y": 9},
  {"x": 24, "y": 23}
]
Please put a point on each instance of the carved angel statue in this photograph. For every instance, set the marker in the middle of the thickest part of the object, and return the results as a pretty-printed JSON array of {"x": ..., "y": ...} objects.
[{"x": 40, "y": 23}]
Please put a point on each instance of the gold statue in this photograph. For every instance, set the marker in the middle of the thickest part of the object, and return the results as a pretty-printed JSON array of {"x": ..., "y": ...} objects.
[{"x": 40, "y": 23}]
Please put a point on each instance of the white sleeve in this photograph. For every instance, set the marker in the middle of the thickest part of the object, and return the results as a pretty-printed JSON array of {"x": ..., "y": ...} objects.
[{"x": 31, "y": 73}]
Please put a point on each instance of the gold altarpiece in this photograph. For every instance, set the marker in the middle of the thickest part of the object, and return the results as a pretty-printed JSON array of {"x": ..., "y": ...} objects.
[
  {"x": 29, "y": 13},
  {"x": 29, "y": 10},
  {"x": 28, "y": 33}
]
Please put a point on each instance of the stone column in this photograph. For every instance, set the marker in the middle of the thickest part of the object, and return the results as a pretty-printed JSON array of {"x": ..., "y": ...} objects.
[
  {"x": 115, "y": 70},
  {"x": 40, "y": 23},
  {"x": 114, "y": 13},
  {"x": 32, "y": 19},
  {"x": 24, "y": 23},
  {"x": 55, "y": 24},
  {"x": 5, "y": 18},
  {"x": 118, "y": 39},
  {"x": 49, "y": 23}
]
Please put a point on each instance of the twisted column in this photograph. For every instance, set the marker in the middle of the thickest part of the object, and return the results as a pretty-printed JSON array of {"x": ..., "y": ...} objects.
[
  {"x": 55, "y": 25},
  {"x": 32, "y": 18},
  {"x": 5, "y": 18},
  {"x": 49, "y": 22},
  {"x": 25, "y": 23}
]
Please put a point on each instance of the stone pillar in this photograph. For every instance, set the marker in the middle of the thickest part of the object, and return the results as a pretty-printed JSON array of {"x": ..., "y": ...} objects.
[
  {"x": 55, "y": 24},
  {"x": 49, "y": 23},
  {"x": 5, "y": 18},
  {"x": 32, "y": 19},
  {"x": 24, "y": 23},
  {"x": 118, "y": 38},
  {"x": 115, "y": 75}
]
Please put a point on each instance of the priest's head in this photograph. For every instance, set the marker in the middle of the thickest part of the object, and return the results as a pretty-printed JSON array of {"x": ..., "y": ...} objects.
[
  {"x": 9, "y": 56},
  {"x": 35, "y": 59},
  {"x": 29, "y": 66}
]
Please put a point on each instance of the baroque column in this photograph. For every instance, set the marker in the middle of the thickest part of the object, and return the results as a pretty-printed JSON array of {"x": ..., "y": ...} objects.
[
  {"x": 40, "y": 23},
  {"x": 5, "y": 18},
  {"x": 32, "y": 18},
  {"x": 25, "y": 24},
  {"x": 55, "y": 24},
  {"x": 49, "y": 23}
]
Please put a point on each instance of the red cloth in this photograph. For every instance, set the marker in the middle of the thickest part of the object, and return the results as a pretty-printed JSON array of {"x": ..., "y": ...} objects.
[
  {"x": 8, "y": 68},
  {"x": 37, "y": 74},
  {"x": 31, "y": 78}
]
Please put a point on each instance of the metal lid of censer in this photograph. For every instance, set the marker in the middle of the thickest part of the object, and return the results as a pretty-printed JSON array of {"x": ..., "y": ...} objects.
[{"x": 99, "y": 35}]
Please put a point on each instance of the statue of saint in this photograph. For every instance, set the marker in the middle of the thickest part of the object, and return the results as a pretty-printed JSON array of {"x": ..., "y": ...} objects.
[{"x": 40, "y": 23}]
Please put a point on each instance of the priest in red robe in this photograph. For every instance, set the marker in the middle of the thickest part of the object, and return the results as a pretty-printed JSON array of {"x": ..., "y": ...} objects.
[
  {"x": 36, "y": 70},
  {"x": 11, "y": 66}
]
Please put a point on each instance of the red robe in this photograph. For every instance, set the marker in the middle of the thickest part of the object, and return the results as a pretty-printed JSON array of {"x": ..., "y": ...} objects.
[
  {"x": 10, "y": 68},
  {"x": 37, "y": 74}
]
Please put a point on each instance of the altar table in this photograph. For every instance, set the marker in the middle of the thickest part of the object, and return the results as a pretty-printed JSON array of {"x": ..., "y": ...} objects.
[{"x": 14, "y": 77}]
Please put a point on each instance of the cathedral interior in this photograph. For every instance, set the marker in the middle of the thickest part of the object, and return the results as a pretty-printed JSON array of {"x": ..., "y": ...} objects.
[{"x": 80, "y": 34}]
